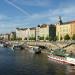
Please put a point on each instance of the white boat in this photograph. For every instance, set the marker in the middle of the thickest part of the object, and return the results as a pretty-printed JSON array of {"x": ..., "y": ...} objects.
[
  {"x": 65, "y": 58},
  {"x": 17, "y": 46},
  {"x": 34, "y": 49},
  {"x": 1, "y": 45}
]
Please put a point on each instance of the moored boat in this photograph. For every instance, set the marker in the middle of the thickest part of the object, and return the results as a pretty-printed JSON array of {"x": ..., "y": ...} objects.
[
  {"x": 61, "y": 55},
  {"x": 35, "y": 49},
  {"x": 17, "y": 47},
  {"x": 1, "y": 45}
]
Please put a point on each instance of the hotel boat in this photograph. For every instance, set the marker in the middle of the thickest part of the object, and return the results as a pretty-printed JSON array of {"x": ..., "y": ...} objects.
[{"x": 61, "y": 55}]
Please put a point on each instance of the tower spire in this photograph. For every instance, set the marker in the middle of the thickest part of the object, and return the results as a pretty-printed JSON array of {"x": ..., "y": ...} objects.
[{"x": 59, "y": 20}]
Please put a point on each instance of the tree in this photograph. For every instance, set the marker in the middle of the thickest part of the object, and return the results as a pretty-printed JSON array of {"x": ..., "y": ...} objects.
[
  {"x": 47, "y": 38},
  {"x": 25, "y": 38},
  {"x": 50, "y": 38},
  {"x": 61, "y": 38},
  {"x": 55, "y": 38},
  {"x": 41, "y": 38},
  {"x": 66, "y": 37},
  {"x": 19, "y": 39},
  {"x": 73, "y": 37},
  {"x": 32, "y": 38}
]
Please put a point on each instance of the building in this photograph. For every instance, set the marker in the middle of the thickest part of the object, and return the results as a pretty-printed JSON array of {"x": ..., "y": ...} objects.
[
  {"x": 1, "y": 37},
  {"x": 22, "y": 33},
  {"x": 6, "y": 36},
  {"x": 32, "y": 32},
  {"x": 45, "y": 31},
  {"x": 64, "y": 28},
  {"x": 12, "y": 35}
]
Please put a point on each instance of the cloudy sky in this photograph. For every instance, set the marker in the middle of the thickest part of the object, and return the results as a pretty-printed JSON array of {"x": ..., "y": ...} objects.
[{"x": 30, "y": 13}]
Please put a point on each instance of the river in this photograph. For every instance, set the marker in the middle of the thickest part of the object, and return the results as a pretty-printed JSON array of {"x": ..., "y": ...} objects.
[{"x": 22, "y": 62}]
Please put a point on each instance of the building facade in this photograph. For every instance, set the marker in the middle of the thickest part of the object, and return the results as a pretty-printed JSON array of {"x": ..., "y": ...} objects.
[
  {"x": 32, "y": 32},
  {"x": 12, "y": 35},
  {"x": 22, "y": 33},
  {"x": 65, "y": 28},
  {"x": 6, "y": 36},
  {"x": 25, "y": 33},
  {"x": 45, "y": 31}
]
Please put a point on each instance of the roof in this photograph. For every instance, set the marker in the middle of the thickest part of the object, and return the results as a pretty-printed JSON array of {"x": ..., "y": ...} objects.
[
  {"x": 69, "y": 22},
  {"x": 43, "y": 25},
  {"x": 52, "y": 25},
  {"x": 33, "y": 28},
  {"x": 21, "y": 28},
  {"x": 13, "y": 32}
]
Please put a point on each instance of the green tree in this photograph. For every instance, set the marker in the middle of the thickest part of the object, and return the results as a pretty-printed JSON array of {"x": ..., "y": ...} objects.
[
  {"x": 61, "y": 38},
  {"x": 25, "y": 38},
  {"x": 66, "y": 37},
  {"x": 32, "y": 38},
  {"x": 19, "y": 39},
  {"x": 41, "y": 38},
  {"x": 73, "y": 37},
  {"x": 47, "y": 38},
  {"x": 55, "y": 38}
]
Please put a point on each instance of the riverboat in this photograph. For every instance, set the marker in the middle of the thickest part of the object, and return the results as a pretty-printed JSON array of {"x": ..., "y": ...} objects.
[{"x": 61, "y": 55}]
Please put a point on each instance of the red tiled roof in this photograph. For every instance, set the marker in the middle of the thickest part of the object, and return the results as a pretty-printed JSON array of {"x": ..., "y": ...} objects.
[{"x": 69, "y": 22}]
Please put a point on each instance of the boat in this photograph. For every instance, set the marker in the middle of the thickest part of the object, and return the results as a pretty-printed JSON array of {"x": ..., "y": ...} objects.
[
  {"x": 35, "y": 49},
  {"x": 61, "y": 55},
  {"x": 17, "y": 47},
  {"x": 1, "y": 45}
]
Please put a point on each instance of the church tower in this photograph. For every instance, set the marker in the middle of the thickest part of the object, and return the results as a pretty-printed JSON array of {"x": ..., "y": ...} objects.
[{"x": 59, "y": 20}]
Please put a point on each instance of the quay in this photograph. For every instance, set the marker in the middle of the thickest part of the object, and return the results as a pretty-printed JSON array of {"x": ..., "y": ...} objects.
[{"x": 48, "y": 45}]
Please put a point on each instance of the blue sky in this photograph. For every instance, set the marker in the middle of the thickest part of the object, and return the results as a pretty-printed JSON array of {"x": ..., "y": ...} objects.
[{"x": 30, "y": 13}]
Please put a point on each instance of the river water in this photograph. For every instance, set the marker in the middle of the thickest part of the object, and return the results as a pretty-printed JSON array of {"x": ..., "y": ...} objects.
[{"x": 22, "y": 62}]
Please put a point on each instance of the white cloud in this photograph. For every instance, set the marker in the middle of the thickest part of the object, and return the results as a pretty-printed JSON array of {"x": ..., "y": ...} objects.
[{"x": 51, "y": 17}]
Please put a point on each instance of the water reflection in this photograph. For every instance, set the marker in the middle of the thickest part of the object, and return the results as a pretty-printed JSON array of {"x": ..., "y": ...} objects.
[
  {"x": 26, "y": 63},
  {"x": 70, "y": 70}
]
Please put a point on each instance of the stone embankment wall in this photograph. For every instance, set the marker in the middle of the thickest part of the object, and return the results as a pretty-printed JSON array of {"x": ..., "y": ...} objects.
[
  {"x": 54, "y": 45},
  {"x": 71, "y": 48},
  {"x": 51, "y": 45}
]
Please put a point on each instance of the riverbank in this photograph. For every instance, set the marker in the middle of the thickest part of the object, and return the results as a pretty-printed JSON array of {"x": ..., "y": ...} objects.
[{"x": 67, "y": 45}]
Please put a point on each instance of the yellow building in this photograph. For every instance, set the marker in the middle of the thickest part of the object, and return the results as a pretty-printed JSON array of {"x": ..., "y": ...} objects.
[
  {"x": 45, "y": 31},
  {"x": 65, "y": 28}
]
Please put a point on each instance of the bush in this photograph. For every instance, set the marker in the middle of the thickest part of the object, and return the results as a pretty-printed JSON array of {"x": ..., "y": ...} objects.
[
  {"x": 32, "y": 38},
  {"x": 47, "y": 38},
  {"x": 55, "y": 38},
  {"x": 66, "y": 37},
  {"x": 18, "y": 38},
  {"x": 41, "y": 38},
  {"x": 73, "y": 37},
  {"x": 25, "y": 38}
]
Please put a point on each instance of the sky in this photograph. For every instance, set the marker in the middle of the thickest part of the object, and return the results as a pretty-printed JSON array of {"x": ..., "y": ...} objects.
[{"x": 30, "y": 13}]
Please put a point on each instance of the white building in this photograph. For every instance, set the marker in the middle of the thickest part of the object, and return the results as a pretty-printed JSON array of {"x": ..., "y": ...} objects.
[{"x": 22, "y": 33}]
